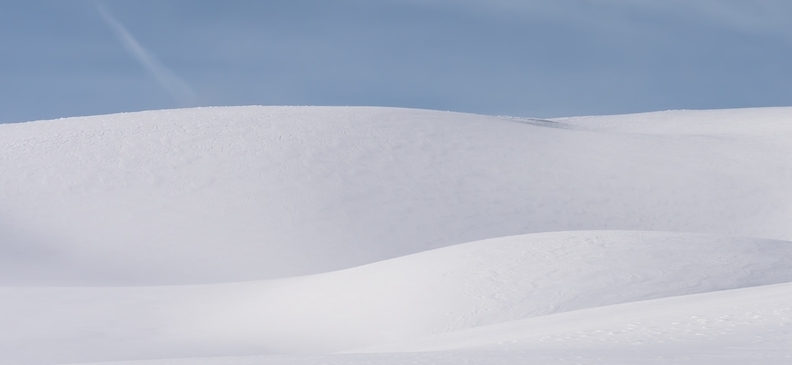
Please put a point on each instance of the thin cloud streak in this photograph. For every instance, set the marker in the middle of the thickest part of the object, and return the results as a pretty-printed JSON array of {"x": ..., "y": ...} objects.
[{"x": 176, "y": 87}]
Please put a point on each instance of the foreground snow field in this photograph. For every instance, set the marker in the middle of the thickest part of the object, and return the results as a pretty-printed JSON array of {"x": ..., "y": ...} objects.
[
  {"x": 744, "y": 326},
  {"x": 284, "y": 234}
]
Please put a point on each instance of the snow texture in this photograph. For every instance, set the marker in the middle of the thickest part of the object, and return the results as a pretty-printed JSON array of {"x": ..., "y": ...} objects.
[{"x": 346, "y": 235}]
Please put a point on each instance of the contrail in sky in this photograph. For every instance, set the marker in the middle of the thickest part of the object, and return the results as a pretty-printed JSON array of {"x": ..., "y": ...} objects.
[{"x": 177, "y": 88}]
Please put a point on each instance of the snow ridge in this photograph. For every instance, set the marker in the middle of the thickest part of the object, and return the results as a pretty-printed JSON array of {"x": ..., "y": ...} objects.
[{"x": 271, "y": 233}]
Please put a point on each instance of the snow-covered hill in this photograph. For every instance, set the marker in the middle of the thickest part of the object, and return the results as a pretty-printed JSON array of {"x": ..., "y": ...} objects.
[
  {"x": 396, "y": 236},
  {"x": 223, "y": 194},
  {"x": 439, "y": 291}
]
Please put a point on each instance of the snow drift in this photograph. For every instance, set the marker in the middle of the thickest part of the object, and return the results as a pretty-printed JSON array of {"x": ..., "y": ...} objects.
[
  {"x": 246, "y": 193},
  {"x": 281, "y": 234},
  {"x": 439, "y": 291}
]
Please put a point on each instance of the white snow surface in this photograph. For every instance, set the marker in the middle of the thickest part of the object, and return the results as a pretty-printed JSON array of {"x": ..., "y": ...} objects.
[
  {"x": 433, "y": 292},
  {"x": 222, "y": 194},
  {"x": 364, "y": 235}
]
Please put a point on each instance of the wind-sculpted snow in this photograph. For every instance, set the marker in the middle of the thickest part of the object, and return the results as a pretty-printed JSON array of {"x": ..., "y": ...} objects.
[
  {"x": 245, "y": 193},
  {"x": 742, "y": 326},
  {"x": 280, "y": 235},
  {"x": 709, "y": 322},
  {"x": 439, "y": 291}
]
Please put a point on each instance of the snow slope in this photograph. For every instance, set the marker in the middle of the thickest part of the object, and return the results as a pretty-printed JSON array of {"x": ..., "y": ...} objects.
[
  {"x": 280, "y": 235},
  {"x": 245, "y": 193},
  {"x": 444, "y": 290},
  {"x": 739, "y": 319},
  {"x": 742, "y": 326}
]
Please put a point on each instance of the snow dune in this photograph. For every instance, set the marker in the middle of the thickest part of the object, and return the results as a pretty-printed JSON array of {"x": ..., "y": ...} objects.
[
  {"x": 280, "y": 235},
  {"x": 740, "y": 319},
  {"x": 444, "y": 290},
  {"x": 742, "y": 326},
  {"x": 246, "y": 193}
]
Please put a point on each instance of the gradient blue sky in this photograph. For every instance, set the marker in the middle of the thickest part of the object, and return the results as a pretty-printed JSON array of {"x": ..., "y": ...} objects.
[{"x": 528, "y": 58}]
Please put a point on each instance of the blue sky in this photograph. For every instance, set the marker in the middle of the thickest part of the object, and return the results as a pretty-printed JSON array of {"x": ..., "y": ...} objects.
[{"x": 528, "y": 58}]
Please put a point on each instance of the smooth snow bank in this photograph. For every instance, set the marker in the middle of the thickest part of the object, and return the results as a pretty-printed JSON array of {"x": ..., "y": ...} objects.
[
  {"x": 741, "y": 326},
  {"x": 439, "y": 291},
  {"x": 243, "y": 193},
  {"x": 770, "y": 125},
  {"x": 755, "y": 319}
]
